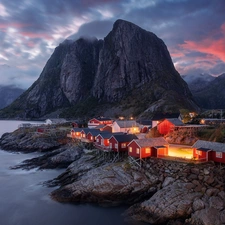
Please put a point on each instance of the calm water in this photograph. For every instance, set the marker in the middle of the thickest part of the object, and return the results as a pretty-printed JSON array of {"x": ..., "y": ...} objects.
[{"x": 25, "y": 201}]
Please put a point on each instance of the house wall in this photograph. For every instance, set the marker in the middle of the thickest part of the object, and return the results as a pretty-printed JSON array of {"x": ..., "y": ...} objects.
[
  {"x": 113, "y": 143},
  {"x": 99, "y": 139},
  {"x": 115, "y": 127},
  {"x": 106, "y": 128},
  {"x": 82, "y": 134},
  {"x": 90, "y": 137},
  {"x": 164, "y": 127},
  {"x": 132, "y": 151},
  {"x": 200, "y": 155},
  {"x": 215, "y": 158},
  {"x": 162, "y": 152}
]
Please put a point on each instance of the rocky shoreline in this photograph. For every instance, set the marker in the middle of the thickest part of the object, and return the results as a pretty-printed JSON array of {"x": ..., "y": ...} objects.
[{"x": 161, "y": 192}]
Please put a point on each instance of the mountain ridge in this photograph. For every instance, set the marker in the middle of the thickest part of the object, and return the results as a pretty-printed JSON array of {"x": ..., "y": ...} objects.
[{"x": 129, "y": 72}]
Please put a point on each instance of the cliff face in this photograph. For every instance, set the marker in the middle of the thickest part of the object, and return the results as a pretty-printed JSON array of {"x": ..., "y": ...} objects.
[{"x": 130, "y": 71}]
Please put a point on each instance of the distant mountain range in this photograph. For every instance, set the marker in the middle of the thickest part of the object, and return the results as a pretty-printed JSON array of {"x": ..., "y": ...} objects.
[
  {"x": 8, "y": 94},
  {"x": 208, "y": 91},
  {"x": 129, "y": 73}
]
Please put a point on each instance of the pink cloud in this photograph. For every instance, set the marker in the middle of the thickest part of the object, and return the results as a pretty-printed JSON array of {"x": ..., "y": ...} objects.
[
  {"x": 210, "y": 45},
  {"x": 36, "y": 35},
  {"x": 14, "y": 25}
]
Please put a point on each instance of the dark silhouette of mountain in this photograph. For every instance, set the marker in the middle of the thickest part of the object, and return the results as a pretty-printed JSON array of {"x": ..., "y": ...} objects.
[
  {"x": 130, "y": 72},
  {"x": 212, "y": 96},
  {"x": 8, "y": 94}
]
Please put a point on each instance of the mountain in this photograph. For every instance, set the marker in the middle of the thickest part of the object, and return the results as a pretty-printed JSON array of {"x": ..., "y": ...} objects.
[
  {"x": 130, "y": 72},
  {"x": 8, "y": 94},
  {"x": 213, "y": 94},
  {"x": 197, "y": 82}
]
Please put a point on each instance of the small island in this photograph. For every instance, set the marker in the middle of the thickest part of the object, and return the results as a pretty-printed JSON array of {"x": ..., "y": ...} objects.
[{"x": 157, "y": 187}]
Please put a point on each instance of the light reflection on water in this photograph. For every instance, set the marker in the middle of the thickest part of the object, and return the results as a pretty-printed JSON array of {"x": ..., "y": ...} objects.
[{"x": 25, "y": 201}]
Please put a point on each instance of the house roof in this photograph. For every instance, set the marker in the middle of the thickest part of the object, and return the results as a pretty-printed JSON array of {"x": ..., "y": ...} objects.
[
  {"x": 107, "y": 135},
  {"x": 215, "y": 146},
  {"x": 86, "y": 130},
  {"x": 124, "y": 137},
  {"x": 102, "y": 126},
  {"x": 145, "y": 122},
  {"x": 127, "y": 123},
  {"x": 151, "y": 142},
  {"x": 161, "y": 116},
  {"x": 102, "y": 119},
  {"x": 175, "y": 121}
]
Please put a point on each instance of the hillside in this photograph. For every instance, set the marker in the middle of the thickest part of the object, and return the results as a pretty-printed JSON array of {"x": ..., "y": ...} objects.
[{"x": 130, "y": 72}]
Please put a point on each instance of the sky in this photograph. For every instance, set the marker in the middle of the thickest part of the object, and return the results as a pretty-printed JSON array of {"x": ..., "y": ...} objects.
[{"x": 193, "y": 31}]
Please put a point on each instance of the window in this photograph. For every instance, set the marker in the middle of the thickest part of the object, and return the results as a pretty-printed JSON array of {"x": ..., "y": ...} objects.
[
  {"x": 138, "y": 150},
  {"x": 130, "y": 149},
  {"x": 147, "y": 150},
  {"x": 116, "y": 145},
  {"x": 218, "y": 154},
  {"x": 123, "y": 145},
  {"x": 102, "y": 142},
  {"x": 198, "y": 152},
  {"x": 91, "y": 138}
]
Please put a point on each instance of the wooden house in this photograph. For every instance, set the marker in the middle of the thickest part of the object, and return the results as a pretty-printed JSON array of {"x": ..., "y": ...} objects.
[
  {"x": 126, "y": 126},
  {"x": 92, "y": 123},
  {"x": 145, "y": 125},
  {"x": 103, "y": 127},
  {"x": 93, "y": 133},
  {"x": 102, "y": 140},
  {"x": 168, "y": 125},
  {"x": 159, "y": 117},
  {"x": 149, "y": 147},
  {"x": 119, "y": 142},
  {"x": 209, "y": 151},
  {"x": 76, "y": 133}
]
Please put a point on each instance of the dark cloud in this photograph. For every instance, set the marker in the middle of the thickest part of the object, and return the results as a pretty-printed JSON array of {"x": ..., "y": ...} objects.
[
  {"x": 98, "y": 29},
  {"x": 194, "y": 31}
]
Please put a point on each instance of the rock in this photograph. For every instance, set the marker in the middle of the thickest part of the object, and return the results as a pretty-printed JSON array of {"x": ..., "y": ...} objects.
[
  {"x": 212, "y": 191},
  {"x": 208, "y": 216},
  {"x": 30, "y": 140},
  {"x": 216, "y": 202},
  {"x": 198, "y": 204},
  {"x": 167, "y": 181},
  {"x": 171, "y": 202},
  {"x": 107, "y": 184},
  {"x": 206, "y": 171}
]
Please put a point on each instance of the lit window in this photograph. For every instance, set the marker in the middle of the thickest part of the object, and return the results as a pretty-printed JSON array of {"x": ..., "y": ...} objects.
[
  {"x": 123, "y": 145},
  {"x": 130, "y": 149},
  {"x": 147, "y": 150},
  {"x": 218, "y": 154},
  {"x": 198, "y": 152},
  {"x": 138, "y": 150},
  {"x": 91, "y": 138}
]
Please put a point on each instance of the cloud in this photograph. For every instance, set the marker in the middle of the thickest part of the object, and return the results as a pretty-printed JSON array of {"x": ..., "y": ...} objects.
[{"x": 193, "y": 31}]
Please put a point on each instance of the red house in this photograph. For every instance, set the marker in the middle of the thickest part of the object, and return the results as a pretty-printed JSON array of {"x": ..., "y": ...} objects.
[
  {"x": 167, "y": 125},
  {"x": 209, "y": 151},
  {"x": 76, "y": 133},
  {"x": 148, "y": 147},
  {"x": 103, "y": 127},
  {"x": 99, "y": 121},
  {"x": 119, "y": 142},
  {"x": 84, "y": 134}
]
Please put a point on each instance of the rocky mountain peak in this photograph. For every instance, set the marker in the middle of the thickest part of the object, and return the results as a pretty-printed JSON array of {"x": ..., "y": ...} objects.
[{"x": 128, "y": 72}]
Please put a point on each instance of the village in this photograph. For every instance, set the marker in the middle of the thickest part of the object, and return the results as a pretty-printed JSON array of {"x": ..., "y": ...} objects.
[{"x": 143, "y": 139}]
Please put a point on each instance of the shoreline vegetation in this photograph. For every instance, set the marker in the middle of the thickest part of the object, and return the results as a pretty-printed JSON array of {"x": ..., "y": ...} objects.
[{"x": 160, "y": 192}]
